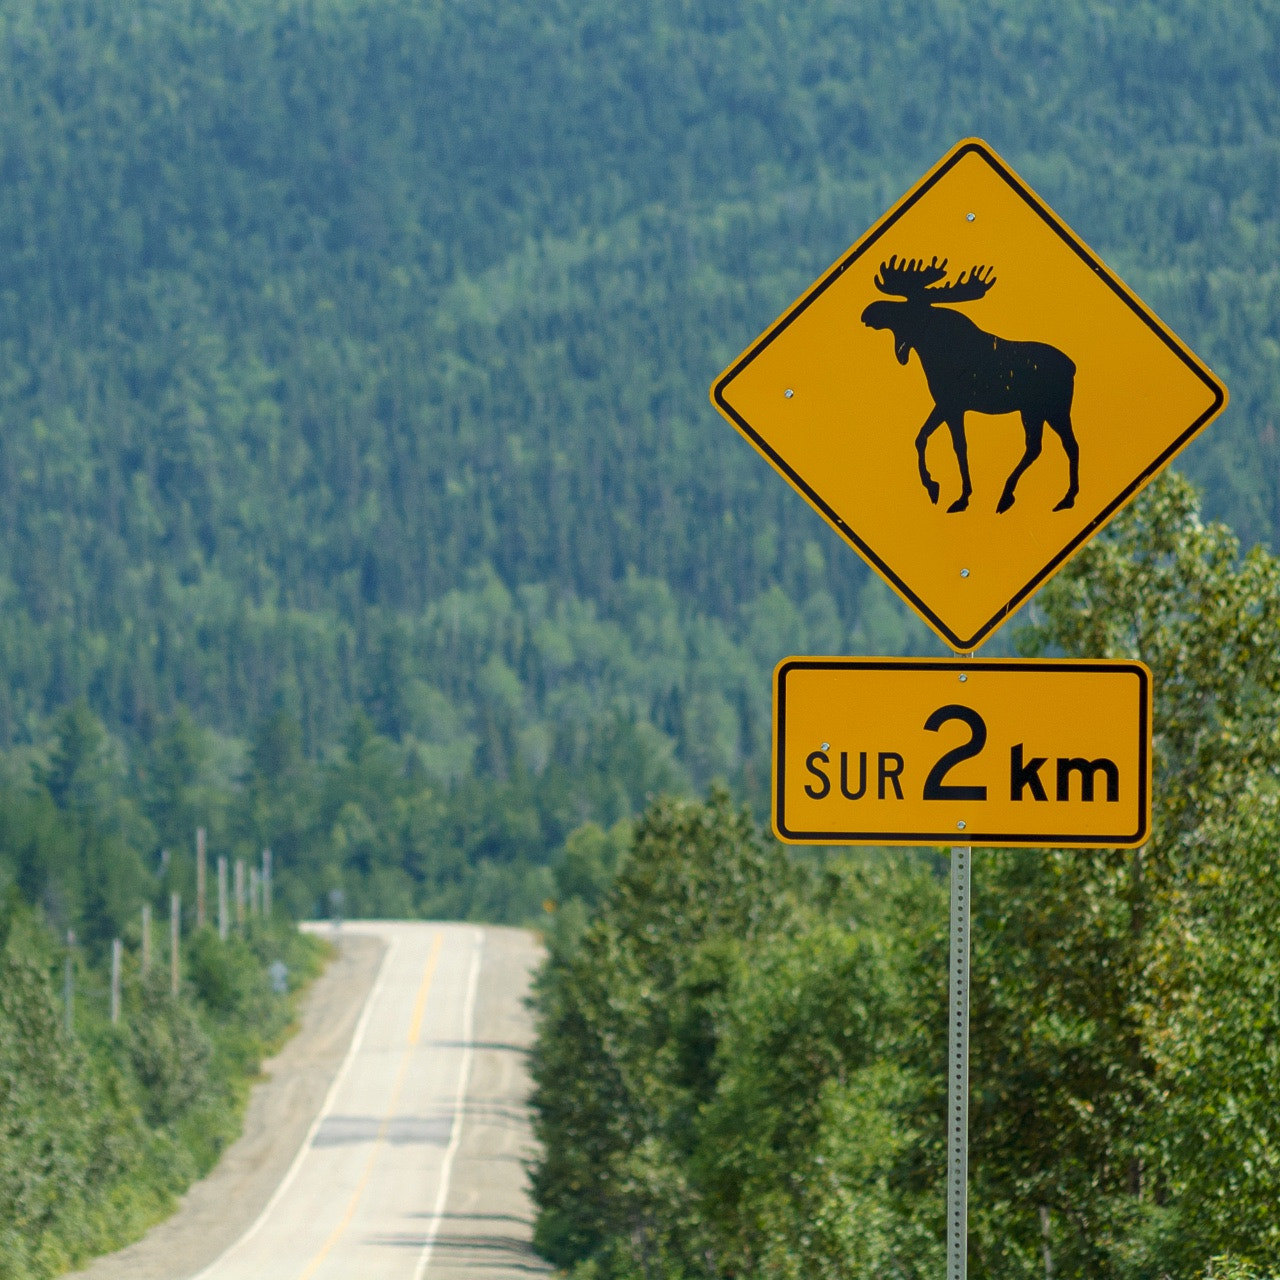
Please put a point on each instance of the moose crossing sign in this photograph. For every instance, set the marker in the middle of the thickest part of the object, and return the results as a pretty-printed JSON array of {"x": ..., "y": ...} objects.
[{"x": 969, "y": 306}]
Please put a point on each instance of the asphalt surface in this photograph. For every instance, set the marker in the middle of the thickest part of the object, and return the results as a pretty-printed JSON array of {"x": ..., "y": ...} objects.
[{"x": 411, "y": 1164}]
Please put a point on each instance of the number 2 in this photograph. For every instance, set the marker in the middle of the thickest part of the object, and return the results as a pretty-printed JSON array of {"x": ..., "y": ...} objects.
[{"x": 934, "y": 786}]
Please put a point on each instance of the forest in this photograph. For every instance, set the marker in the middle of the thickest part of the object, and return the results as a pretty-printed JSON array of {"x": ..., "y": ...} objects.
[
  {"x": 360, "y": 499},
  {"x": 741, "y": 1062},
  {"x": 355, "y": 355}
]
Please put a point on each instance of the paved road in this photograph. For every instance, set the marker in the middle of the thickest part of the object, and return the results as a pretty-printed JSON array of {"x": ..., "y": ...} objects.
[
  {"x": 382, "y": 1189},
  {"x": 414, "y": 1164}
]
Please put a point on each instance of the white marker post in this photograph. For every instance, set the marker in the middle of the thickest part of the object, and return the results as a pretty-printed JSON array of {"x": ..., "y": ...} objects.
[{"x": 958, "y": 1070}]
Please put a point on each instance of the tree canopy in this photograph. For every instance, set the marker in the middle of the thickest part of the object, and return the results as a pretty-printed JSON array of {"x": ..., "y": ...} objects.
[{"x": 763, "y": 1092}]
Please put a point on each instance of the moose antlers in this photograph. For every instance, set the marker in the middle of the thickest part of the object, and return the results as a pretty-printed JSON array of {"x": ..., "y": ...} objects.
[{"x": 917, "y": 281}]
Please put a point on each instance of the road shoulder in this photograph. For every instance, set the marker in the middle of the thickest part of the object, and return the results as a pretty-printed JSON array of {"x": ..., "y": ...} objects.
[
  {"x": 216, "y": 1211},
  {"x": 487, "y": 1228}
]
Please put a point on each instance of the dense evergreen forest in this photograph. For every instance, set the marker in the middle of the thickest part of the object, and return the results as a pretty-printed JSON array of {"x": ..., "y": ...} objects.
[{"x": 354, "y": 355}]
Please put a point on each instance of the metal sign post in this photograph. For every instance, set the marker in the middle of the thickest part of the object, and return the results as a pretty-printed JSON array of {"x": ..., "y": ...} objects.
[{"x": 958, "y": 1070}]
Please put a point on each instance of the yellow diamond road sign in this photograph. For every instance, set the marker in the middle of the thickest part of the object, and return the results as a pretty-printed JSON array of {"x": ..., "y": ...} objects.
[{"x": 968, "y": 395}]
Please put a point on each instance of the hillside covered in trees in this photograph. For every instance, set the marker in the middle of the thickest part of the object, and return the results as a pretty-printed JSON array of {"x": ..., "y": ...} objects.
[{"x": 354, "y": 355}]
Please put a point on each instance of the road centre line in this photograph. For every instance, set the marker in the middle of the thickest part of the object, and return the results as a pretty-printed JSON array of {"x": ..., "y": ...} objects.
[
  {"x": 357, "y": 1042},
  {"x": 415, "y": 1028}
]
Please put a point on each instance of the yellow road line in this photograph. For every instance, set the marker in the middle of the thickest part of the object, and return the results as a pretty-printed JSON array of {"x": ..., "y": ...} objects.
[
  {"x": 420, "y": 1005},
  {"x": 415, "y": 1033}
]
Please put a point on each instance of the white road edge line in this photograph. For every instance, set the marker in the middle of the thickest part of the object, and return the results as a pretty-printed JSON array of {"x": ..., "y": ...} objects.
[
  {"x": 455, "y": 1138},
  {"x": 325, "y": 1107}
]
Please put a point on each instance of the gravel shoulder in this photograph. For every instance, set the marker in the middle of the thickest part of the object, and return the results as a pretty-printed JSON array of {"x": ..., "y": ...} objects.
[{"x": 217, "y": 1210}]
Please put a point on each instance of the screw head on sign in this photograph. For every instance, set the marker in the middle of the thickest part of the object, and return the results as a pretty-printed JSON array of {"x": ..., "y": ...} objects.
[
  {"x": 964, "y": 679},
  {"x": 964, "y": 573},
  {"x": 788, "y": 393},
  {"x": 959, "y": 826},
  {"x": 969, "y": 217}
]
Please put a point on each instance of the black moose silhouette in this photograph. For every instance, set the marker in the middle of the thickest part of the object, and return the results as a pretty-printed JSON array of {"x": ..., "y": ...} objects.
[{"x": 969, "y": 370}]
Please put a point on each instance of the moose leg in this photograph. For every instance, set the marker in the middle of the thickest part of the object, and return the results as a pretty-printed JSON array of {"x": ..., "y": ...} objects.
[
  {"x": 931, "y": 424},
  {"x": 1033, "y": 426},
  {"x": 1062, "y": 426},
  {"x": 961, "y": 445}
]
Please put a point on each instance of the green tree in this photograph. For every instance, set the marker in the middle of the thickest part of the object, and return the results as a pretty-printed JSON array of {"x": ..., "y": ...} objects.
[{"x": 623, "y": 1057}]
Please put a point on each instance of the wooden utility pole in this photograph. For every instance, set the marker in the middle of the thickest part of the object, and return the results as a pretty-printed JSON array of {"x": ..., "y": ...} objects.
[
  {"x": 68, "y": 983},
  {"x": 202, "y": 877},
  {"x": 175, "y": 940},
  {"x": 117, "y": 959},
  {"x": 241, "y": 912},
  {"x": 223, "y": 922}
]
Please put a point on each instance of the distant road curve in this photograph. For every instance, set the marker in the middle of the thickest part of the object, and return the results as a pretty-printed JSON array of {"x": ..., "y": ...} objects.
[{"x": 413, "y": 1164}]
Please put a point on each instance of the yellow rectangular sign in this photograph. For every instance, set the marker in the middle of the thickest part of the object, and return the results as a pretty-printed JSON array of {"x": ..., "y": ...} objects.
[{"x": 962, "y": 751}]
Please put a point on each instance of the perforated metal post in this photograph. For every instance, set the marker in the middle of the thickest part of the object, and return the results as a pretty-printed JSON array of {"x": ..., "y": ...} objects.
[{"x": 958, "y": 1070}]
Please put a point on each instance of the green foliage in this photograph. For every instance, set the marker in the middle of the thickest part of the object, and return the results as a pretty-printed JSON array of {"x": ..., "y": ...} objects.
[
  {"x": 1152, "y": 966},
  {"x": 1125, "y": 1115},
  {"x": 1229, "y": 1267},
  {"x": 102, "y": 1129},
  {"x": 169, "y": 1053},
  {"x": 296, "y": 427},
  {"x": 802, "y": 1067},
  {"x": 708, "y": 1049},
  {"x": 52, "y": 1144},
  {"x": 589, "y": 862},
  {"x": 623, "y": 1015}
]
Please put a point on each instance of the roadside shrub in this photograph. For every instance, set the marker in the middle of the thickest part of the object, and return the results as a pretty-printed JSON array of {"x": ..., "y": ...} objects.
[{"x": 170, "y": 1054}]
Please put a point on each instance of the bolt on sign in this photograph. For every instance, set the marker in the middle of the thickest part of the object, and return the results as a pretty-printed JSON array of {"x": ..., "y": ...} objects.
[
  {"x": 968, "y": 395},
  {"x": 981, "y": 751}
]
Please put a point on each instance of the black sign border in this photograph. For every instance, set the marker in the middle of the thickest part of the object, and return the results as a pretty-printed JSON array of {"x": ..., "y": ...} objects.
[
  {"x": 995, "y": 839},
  {"x": 965, "y": 644}
]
